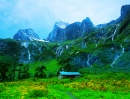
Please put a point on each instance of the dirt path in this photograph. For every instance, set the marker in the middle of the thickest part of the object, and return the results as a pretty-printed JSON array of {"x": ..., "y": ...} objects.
[
  {"x": 68, "y": 93},
  {"x": 71, "y": 95},
  {"x": 65, "y": 92}
]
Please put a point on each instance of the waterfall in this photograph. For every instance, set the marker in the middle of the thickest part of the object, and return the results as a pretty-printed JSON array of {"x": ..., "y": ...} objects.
[
  {"x": 29, "y": 55},
  {"x": 83, "y": 44},
  {"x": 25, "y": 44},
  {"x": 88, "y": 64},
  {"x": 123, "y": 49},
  {"x": 125, "y": 39},
  {"x": 97, "y": 44},
  {"x": 114, "y": 33},
  {"x": 40, "y": 49},
  {"x": 117, "y": 56}
]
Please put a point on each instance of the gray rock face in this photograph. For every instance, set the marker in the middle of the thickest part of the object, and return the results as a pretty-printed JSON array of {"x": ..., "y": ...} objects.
[
  {"x": 63, "y": 31},
  {"x": 125, "y": 11},
  {"x": 86, "y": 25},
  {"x": 58, "y": 33},
  {"x": 72, "y": 31},
  {"x": 26, "y": 35}
]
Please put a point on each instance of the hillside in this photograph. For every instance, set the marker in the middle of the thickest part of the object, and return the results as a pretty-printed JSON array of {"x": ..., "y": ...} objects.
[{"x": 105, "y": 46}]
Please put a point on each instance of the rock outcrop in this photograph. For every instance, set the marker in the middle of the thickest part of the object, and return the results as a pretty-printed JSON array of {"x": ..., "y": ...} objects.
[
  {"x": 58, "y": 32},
  {"x": 125, "y": 11},
  {"x": 86, "y": 25},
  {"x": 64, "y": 31},
  {"x": 26, "y": 35},
  {"x": 72, "y": 31}
]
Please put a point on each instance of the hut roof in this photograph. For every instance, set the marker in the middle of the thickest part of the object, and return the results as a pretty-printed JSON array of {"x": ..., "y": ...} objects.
[{"x": 69, "y": 73}]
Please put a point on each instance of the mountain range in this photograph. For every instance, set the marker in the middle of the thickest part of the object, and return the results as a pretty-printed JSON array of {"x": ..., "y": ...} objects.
[
  {"x": 75, "y": 45},
  {"x": 77, "y": 29}
]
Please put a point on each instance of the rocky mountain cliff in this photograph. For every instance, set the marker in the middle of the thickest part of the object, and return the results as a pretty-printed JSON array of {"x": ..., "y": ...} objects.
[
  {"x": 125, "y": 11},
  {"x": 26, "y": 35},
  {"x": 70, "y": 31},
  {"x": 58, "y": 33},
  {"x": 79, "y": 29}
]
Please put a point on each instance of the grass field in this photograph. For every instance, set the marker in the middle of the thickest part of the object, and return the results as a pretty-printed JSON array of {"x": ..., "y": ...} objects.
[
  {"x": 51, "y": 67},
  {"x": 90, "y": 86}
]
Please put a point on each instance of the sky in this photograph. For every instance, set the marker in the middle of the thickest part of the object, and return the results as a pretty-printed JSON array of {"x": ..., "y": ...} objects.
[{"x": 41, "y": 15}]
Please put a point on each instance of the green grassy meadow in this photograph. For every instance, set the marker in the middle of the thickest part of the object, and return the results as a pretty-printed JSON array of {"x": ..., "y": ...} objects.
[
  {"x": 51, "y": 67},
  {"x": 89, "y": 86},
  {"x": 93, "y": 84}
]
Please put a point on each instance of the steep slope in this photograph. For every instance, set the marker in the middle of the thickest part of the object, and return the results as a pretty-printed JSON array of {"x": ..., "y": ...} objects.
[
  {"x": 125, "y": 11},
  {"x": 106, "y": 46},
  {"x": 86, "y": 26},
  {"x": 26, "y": 52}
]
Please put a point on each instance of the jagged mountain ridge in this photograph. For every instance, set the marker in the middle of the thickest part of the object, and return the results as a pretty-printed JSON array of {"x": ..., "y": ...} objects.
[
  {"x": 26, "y": 35},
  {"x": 61, "y": 24},
  {"x": 70, "y": 31},
  {"x": 77, "y": 29}
]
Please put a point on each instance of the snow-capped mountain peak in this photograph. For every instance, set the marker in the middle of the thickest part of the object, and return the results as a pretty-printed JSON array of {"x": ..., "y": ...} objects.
[
  {"x": 61, "y": 24},
  {"x": 26, "y": 35}
]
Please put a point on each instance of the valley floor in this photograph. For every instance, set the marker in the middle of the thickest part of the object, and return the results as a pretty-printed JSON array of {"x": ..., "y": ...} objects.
[{"x": 90, "y": 86}]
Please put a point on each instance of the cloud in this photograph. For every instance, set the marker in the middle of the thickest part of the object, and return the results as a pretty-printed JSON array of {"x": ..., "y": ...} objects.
[
  {"x": 27, "y": 14},
  {"x": 42, "y": 14}
]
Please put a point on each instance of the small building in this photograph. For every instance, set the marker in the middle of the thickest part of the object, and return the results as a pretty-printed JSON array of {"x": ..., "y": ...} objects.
[{"x": 63, "y": 74}]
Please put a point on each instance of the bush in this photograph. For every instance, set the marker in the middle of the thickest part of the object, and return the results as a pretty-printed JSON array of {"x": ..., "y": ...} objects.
[
  {"x": 39, "y": 72},
  {"x": 37, "y": 93}
]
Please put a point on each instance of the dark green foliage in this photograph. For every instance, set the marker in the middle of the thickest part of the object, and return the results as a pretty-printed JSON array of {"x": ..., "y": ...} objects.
[
  {"x": 123, "y": 25},
  {"x": 40, "y": 72},
  {"x": 66, "y": 62},
  {"x": 24, "y": 72},
  {"x": 47, "y": 53},
  {"x": 11, "y": 47},
  {"x": 123, "y": 63},
  {"x": 6, "y": 65},
  {"x": 37, "y": 93}
]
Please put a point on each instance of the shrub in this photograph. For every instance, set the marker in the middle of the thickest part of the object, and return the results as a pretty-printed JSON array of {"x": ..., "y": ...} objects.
[
  {"x": 37, "y": 93},
  {"x": 39, "y": 72}
]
